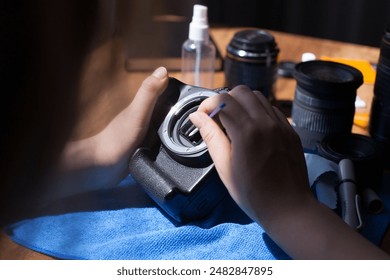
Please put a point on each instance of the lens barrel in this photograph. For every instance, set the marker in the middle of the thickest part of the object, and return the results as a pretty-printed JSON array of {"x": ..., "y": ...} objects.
[
  {"x": 379, "y": 126},
  {"x": 251, "y": 60},
  {"x": 324, "y": 102}
]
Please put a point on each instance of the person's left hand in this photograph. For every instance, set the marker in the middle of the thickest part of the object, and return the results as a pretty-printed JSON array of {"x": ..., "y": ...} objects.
[{"x": 101, "y": 161}]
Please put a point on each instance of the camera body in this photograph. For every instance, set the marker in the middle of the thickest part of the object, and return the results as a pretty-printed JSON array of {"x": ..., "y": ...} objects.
[{"x": 175, "y": 168}]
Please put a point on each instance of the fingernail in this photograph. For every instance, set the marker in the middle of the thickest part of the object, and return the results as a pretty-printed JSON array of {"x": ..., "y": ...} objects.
[
  {"x": 194, "y": 117},
  {"x": 160, "y": 73}
]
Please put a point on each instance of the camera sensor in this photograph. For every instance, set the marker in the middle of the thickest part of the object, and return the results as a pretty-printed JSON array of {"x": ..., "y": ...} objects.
[{"x": 189, "y": 132}]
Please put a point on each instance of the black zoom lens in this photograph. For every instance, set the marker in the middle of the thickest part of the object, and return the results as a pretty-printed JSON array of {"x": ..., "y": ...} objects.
[
  {"x": 324, "y": 102},
  {"x": 379, "y": 126}
]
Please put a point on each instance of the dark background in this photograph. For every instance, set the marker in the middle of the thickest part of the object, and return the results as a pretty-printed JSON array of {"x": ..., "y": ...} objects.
[{"x": 356, "y": 21}]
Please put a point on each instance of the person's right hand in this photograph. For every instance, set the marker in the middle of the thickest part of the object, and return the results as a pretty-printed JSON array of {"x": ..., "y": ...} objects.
[
  {"x": 260, "y": 158},
  {"x": 261, "y": 162}
]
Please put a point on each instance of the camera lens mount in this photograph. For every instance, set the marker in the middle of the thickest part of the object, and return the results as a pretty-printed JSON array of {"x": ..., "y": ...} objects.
[{"x": 185, "y": 148}]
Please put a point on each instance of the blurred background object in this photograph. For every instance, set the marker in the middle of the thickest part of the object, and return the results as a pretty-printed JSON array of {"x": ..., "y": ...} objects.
[
  {"x": 355, "y": 21},
  {"x": 154, "y": 33},
  {"x": 155, "y": 29}
]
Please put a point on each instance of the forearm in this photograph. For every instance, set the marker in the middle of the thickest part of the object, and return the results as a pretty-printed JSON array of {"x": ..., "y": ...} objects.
[
  {"x": 101, "y": 160},
  {"x": 312, "y": 231},
  {"x": 82, "y": 168}
]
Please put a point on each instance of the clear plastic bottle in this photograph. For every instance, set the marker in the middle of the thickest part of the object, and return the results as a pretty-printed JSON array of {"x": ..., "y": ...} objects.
[{"x": 198, "y": 52}]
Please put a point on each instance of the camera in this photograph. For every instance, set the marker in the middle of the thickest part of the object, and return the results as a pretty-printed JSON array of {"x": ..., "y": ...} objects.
[{"x": 174, "y": 166}]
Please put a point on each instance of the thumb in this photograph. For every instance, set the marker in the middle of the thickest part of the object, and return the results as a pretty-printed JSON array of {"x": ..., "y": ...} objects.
[
  {"x": 129, "y": 127},
  {"x": 217, "y": 142},
  {"x": 147, "y": 95}
]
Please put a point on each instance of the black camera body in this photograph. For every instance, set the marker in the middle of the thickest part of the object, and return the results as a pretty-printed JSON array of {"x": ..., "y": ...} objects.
[{"x": 173, "y": 167}]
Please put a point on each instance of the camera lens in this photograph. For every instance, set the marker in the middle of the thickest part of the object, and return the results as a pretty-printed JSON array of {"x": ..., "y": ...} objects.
[
  {"x": 365, "y": 152},
  {"x": 324, "y": 102},
  {"x": 379, "y": 126},
  {"x": 251, "y": 60}
]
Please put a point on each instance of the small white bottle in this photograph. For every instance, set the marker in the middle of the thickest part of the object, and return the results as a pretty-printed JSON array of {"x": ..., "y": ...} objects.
[{"x": 198, "y": 52}]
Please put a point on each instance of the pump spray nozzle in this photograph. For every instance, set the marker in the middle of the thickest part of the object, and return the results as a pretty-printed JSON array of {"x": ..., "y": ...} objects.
[
  {"x": 198, "y": 52},
  {"x": 199, "y": 27}
]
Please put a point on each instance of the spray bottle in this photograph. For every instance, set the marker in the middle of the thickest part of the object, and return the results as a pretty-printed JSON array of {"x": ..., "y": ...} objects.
[{"x": 198, "y": 51}]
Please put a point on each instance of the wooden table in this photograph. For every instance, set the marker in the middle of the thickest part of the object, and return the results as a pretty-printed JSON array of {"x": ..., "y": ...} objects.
[{"x": 105, "y": 99}]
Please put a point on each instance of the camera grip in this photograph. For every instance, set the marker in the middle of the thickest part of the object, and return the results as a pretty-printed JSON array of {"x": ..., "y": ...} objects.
[
  {"x": 156, "y": 183},
  {"x": 195, "y": 198}
]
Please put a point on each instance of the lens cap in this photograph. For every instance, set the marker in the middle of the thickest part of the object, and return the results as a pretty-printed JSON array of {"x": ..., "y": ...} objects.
[
  {"x": 327, "y": 76},
  {"x": 364, "y": 151},
  {"x": 252, "y": 43}
]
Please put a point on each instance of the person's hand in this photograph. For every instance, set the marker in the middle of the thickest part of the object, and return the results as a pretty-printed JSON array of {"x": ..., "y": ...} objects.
[
  {"x": 261, "y": 162},
  {"x": 259, "y": 159},
  {"x": 102, "y": 160}
]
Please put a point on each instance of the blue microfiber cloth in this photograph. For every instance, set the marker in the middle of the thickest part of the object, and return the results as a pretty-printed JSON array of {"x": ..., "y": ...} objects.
[{"x": 124, "y": 223}]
